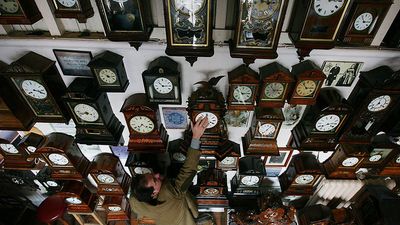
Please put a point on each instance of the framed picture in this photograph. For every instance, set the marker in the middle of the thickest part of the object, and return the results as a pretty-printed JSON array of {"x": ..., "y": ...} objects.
[
  {"x": 279, "y": 161},
  {"x": 340, "y": 73},
  {"x": 175, "y": 117},
  {"x": 74, "y": 63},
  {"x": 237, "y": 118}
]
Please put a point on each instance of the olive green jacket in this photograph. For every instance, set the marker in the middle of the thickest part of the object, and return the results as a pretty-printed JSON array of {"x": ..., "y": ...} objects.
[{"x": 177, "y": 207}]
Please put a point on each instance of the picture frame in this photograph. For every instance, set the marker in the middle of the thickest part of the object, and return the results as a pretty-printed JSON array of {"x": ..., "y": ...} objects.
[
  {"x": 279, "y": 161},
  {"x": 340, "y": 73},
  {"x": 175, "y": 117},
  {"x": 74, "y": 63}
]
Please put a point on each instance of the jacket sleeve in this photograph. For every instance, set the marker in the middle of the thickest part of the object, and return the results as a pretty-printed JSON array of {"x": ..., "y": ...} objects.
[{"x": 188, "y": 170}]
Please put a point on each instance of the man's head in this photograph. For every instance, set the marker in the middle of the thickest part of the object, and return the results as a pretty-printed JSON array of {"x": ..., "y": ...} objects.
[{"x": 146, "y": 187}]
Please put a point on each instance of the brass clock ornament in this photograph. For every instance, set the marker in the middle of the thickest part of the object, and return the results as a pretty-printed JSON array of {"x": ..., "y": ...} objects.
[
  {"x": 258, "y": 28},
  {"x": 19, "y": 12},
  {"x": 188, "y": 26},
  {"x": 78, "y": 9},
  {"x": 243, "y": 88}
]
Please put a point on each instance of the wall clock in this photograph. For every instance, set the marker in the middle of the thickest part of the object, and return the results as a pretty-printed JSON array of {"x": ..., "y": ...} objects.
[
  {"x": 19, "y": 12},
  {"x": 78, "y": 197},
  {"x": 315, "y": 24},
  {"x": 162, "y": 81},
  {"x": 189, "y": 28},
  {"x": 228, "y": 163},
  {"x": 126, "y": 20},
  {"x": 260, "y": 139},
  {"x": 108, "y": 68},
  {"x": 51, "y": 185},
  {"x": 117, "y": 208},
  {"x": 213, "y": 188},
  {"x": 64, "y": 157},
  {"x": 249, "y": 177},
  {"x": 243, "y": 88},
  {"x": 258, "y": 28},
  {"x": 322, "y": 123},
  {"x": 309, "y": 78},
  {"x": 93, "y": 116},
  {"x": 276, "y": 84},
  {"x": 14, "y": 157},
  {"x": 78, "y": 9},
  {"x": 143, "y": 163},
  {"x": 363, "y": 22},
  {"x": 31, "y": 142},
  {"x": 108, "y": 173},
  {"x": 373, "y": 98},
  {"x": 147, "y": 134},
  {"x": 33, "y": 85}
]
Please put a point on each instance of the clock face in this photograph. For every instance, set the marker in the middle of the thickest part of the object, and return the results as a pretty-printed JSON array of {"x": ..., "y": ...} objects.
[
  {"x": 264, "y": 9},
  {"x": 189, "y": 6},
  {"x": 9, "y": 6},
  {"x": 51, "y": 183},
  {"x": 142, "y": 170},
  {"x": 242, "y": 93},
  {"x": 327, "y": 7},
  {"x": 86, "y": 112},
  {"x": 178, "y": 156},
  {"x": 363, "y": 21},
  {"x": 107, "y": 76},
  {"x": 398, "y": 159},
  {"x": 351, "y": 161},
  {"x": 375, "y": 158},
  {"x": 34, "y": 89},
  {"x": 379, "y": 103},
  {"x": 9, "y": 148},
  {"x": 58, "y": 159},
  {"x": 306, "y": 88},
  {"x": 211, "y": 191},
  {"x": 105, "y": 178},
  {"x": 250, "y": 180},
  {"x": 67, "y": 3},
  {"x": 267, "y": 129},
  {"x": 31, "y": 148},
  {"x": 304, "y": 179},
  {"x": 274, "y": 90},
  {"x": 141, "y": 124},
  {"x": 327, "y": 123},
  {"x": 163, "y": 85},
  {"x": 212, "y": 118},
  {"x": 114, "y": 208},
  {"x": 228, "y": 161},
  {"x": 73, "y": 200}
]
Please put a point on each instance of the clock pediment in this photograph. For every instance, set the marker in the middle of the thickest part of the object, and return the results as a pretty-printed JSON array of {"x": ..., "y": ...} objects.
[{"x": 106, "y": 59}]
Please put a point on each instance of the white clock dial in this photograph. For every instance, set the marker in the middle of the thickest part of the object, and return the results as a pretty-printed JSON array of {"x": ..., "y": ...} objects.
[
  {"x": 141, "y": 124},
  {"x": 250, "y": 180},
  {"x": 114, "y": 208},
  {"x": 51, "y": 183},
  {"x": 379, "y": 103},
  {"x": 212, "y": 118},
  {"x": 327, "y": 7},
  {"x": 58, "y": 159},
  {"x": 34, "y": 89},
  {"x": 189, "y": 6},
  {"x": 228, "y": 161},
  {"x": 105, "y": 178},
  {"x": 73, "y": 200},
  {"x": 211, "y": 191},
  {"x": 242, "y": 93},
  {"x": 31, "y": 148},
  {"x": 327, "y": 123},
  {"x": 9, "y": 148},
  {"x": 304, "y": 179},
  {"x": 274, "y": 90},
  {"x": 178, "y": 156},
  {"x": 141, "y": 170},
  {"x": 67, "y": 3},
  {"x": 398, "y": 159},
  {"x": 86, "y": 112},
  {"x": 351, "y": 161},
  {"x": 107, "y": 76},
  {"x": 9, "y": 6},
  {"x": 363, "y": 21},
  {"x": 267, "y": 129},
  {"x": 375, "y": 158},
  {"x": 163, "y": 85}
]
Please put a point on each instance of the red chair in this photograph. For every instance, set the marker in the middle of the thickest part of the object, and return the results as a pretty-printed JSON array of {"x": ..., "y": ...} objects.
[{"x": 52, "y": 209}]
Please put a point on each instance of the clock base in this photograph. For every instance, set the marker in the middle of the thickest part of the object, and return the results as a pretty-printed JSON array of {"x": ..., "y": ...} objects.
[
  {"x": 103, "y": 135},
  {"x": 259, "y": 147}
]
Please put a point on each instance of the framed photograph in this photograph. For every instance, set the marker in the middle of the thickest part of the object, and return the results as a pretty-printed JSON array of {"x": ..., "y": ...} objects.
[
  {"x": 74, "y": 63},
  {"x": 340, "y": 73},
  {"x": 237, "y": 118},
  {"x": 281, "y": 160},
  {"x": 175, "y": 117}
]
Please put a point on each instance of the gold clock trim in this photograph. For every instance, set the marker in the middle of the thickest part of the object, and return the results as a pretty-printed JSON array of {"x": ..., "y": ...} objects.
[{"x": 68, "y": 9}]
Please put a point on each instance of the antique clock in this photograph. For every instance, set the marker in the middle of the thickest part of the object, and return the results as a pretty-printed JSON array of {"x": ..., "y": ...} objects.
[
  {"x": 117, "y": 208},
  {"x": 51, "y": 185},
  {"x": 108, "y": 68},
  {"x": 78, "y": 197},
  {"x": 302, "y": 175},
  {"x": 109, "y": 175},
  {"x": 14, "y": 157},
  {"x": 78, "y": 9},
  {"x": 373, "y": 98},
  {"x": 31, "y": 142},
  {"x": 64, "y": 157},
  {"x": 258, "y": 28},
  {"x": 213, "y": 188},
  {"x": 322, "y": 122},
  {"x": 141, "y": 163},
  {"x": 92, "y": 114},
  {"x": 363, "y": 22},
  {"x": 175, "y": 153},
  {"x": 243, "y": 88},
  {"x": 260, "y": 139},
  {"x": 208, "y": 102},
  {"x": 309, "y": 78},
  {"x": 146, "y": 133},
  {"x": 276, "y": 84},
  {"x": 33, "y": 85},
  {"x": 251, "y": 172},
  {"x": 228, "y": 163},
  {"x": 126, "y": 20},
  {"x": 189, "y": 28},
  {"x": 382, "y": 152},
  {"x": 315, "y": 24},
  {"x": 19, "y": 12},
  {"x": 162, "y": 81}
]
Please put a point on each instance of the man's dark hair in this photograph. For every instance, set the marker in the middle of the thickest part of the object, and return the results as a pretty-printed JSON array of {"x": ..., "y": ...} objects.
[{"x": 141, "y": 192}]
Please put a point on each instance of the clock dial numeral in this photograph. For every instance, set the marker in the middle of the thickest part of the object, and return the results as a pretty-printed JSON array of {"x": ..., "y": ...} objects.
[
  {"x": 327, "y": 7},
  {"x": 58, "y": 159},
  {"x": 379, "y": 103},
  {"x": 141, "y": 124},
  {"x": 107, "y": 76},
  {"x": 86, "y": 113},
  {"x": 304, "y": 179},
  {"x": 349, "y": 162},
  {"x": 306, "y": 88},
  {"x": 73, "y": 200},
  {"x": 9, "y": 6},
  {"x": 242, "y": 93},
  {"x": 34, "y": 89},
  {"x": 105, "y": 178},
  {"x": 250, "y": 180},
  {"x": 9, "y": 148},
  {"x": 363, "y": 21},
  {"x": 267, "y": 129},
  {"x": 163, "y": 85},
  {"x": 212, "y": 118},
  {"x": 274, "y": 90},
  {"x": 327, "y": 123},
  {"x": 67, "y": 3}
]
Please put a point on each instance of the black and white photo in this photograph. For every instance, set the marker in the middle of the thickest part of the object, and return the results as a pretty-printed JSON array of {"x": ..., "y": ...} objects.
[{"x": 340, "y": 73}]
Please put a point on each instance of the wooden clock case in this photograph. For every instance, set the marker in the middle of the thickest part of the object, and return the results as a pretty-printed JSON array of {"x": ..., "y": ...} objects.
[
  {"x": 213, "y": 188},
  {"x": 117, "y": 215},
  {"x": 28, "y": 13},
  {"x": 242, "y": 76},
  {"x": 81, "y": 12},
  {"x": 77, "y": 189}
]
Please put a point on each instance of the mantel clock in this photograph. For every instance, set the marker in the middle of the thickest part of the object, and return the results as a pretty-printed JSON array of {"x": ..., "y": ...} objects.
[
  {"x": 78, "y": 197},
  {"x": 78, "y": 9},
  {"x": 14, "y": 157},
  {"x": 19, "y": 12},
  {"x": 243, "y": 88},
  {"x": 213, "y": 188},
  {"x": 51, "y": 185},
  {"x": 117, "y": 208},
  {"x": 142, "y": 163},
  {"x": 249, "y": 177},
  {"x": 258, "y": 28}
]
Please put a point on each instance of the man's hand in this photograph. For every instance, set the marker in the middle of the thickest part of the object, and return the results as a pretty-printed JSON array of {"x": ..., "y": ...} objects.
[{"x": 199, "y": 128}]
